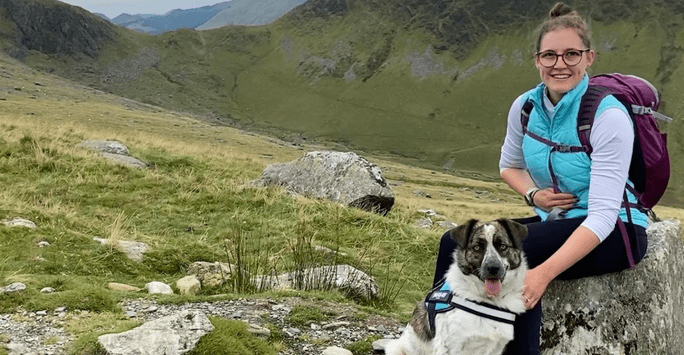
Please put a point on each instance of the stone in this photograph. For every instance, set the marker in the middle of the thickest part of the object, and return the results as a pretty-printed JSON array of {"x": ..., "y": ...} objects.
[
  {"x": 334, "y": 350},
  {"x": 156, "y": 287},
  {"x": 43, "y": 244},
  {"x": 15, "y": 287},
  {"x": 447, "y": 225},
  {"x": 336, "y": 325},
  {"x": 258, "y": 331},
  {"x": 174, "y": 334},
  {"x": 339, "y": 177},
  {"x": 342, "y": 277},
  {"x": 424, "y": 222},
  {"x": 125, "y": 160},
  {"x": 122, "y": 287},
  {"x": 188, "y": 285},
  {"x": 211, "y": 274},
  {"x": 630, "y": 312},
  {"x": 133, "y": 250},
  {"x": 104, "y": 146},
  {"x": 113, "y": 151},
  {"x": 47, "y": 290},
  {"x": 19, "y": 222}
]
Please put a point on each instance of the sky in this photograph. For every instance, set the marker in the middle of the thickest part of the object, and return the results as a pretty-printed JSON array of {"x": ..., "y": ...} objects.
[{"x": 114, "y": 8}]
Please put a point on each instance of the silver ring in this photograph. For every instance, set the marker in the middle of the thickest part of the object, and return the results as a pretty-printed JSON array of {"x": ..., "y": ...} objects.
[{"x": 526, "y": 298}]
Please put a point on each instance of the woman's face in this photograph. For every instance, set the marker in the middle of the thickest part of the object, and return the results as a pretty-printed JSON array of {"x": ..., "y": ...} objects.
[{"x": 561, "y": 78}]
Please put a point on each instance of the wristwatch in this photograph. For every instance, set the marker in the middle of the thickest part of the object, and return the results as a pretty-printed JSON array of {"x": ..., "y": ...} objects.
[{"x": 529, "y": 196}]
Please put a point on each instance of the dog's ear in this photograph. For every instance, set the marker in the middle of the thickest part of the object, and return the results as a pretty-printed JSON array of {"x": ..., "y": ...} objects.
[
  {"x": 462, "y": 233},
  {"x": 516, "y": 231}
]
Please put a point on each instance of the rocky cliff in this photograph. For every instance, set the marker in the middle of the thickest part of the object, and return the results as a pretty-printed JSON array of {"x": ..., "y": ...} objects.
[{"x": 52, "y": 27}]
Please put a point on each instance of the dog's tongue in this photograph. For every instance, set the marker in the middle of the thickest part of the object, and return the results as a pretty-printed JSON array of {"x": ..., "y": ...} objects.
[{"x": 492, "y": 287}]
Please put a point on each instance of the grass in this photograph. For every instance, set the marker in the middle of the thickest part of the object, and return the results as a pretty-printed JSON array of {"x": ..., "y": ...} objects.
[
  {"x": 194, "y": 205},
  {"x": 231, "y": 338}
]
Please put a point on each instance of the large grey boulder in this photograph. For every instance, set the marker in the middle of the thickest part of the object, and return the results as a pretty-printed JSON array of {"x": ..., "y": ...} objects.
[
  {"x": 340, "y": 177},
  {"x": 170, "y": 335},
  {"x": 631, "y": 312}
]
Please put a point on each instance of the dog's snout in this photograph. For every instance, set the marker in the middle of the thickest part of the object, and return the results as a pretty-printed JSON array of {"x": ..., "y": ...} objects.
[{"x": 493, "y": 269}]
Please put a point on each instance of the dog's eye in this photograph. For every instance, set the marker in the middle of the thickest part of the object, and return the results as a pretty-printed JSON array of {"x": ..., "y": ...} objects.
[
  {"x": 503, "y": 247},
  {"x": 477, "y": 248}
]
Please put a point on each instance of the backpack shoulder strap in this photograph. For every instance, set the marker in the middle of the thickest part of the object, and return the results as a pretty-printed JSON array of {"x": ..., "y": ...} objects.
[
  {"x": 585, "y": 117},
  {"x": 525, "y": 114}
]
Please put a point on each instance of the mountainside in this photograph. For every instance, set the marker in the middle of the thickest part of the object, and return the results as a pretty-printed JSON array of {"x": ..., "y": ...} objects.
[
  {"x": 250, "y": 13},
  {"x": 171, "y": 21},
  {"x": 426, "y": 81}
]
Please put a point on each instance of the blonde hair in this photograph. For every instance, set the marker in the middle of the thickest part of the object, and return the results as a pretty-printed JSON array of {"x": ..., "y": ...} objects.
[{"x": 563, "y": 16}]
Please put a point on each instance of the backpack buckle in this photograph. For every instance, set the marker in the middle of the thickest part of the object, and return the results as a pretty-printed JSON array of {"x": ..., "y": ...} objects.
[{"x": 641, "y": 110}]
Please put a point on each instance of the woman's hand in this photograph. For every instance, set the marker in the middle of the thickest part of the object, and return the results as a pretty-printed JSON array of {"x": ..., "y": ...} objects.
[
  {"x": 534, "y": 286},
  {"x": 546, "y": 199}
]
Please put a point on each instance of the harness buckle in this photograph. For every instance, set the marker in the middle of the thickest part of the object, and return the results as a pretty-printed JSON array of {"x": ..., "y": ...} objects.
[{"x": 564, "y": 148}]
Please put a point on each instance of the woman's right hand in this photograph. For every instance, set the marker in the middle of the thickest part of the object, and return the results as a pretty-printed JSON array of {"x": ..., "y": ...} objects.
[{"x": 546, "y": 199}]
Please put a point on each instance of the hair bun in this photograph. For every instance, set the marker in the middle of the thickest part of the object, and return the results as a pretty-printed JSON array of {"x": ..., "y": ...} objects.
[{"x": 560, "y": 9}]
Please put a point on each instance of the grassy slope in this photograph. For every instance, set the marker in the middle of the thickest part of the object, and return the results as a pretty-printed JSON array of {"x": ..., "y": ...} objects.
[
  {"x": 198, "y": 182},
  {"x": 268, "y": 79}
]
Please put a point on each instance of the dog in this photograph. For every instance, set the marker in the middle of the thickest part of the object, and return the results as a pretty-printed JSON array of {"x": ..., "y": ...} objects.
[{"x": 488, "y": 271}]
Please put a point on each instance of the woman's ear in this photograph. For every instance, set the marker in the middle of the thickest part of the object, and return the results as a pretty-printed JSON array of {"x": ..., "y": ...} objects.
[{"x": 591, "y": 55}]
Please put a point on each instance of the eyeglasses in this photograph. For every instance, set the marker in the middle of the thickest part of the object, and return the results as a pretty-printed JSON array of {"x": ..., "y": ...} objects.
[{"x": 571, "y": 57}]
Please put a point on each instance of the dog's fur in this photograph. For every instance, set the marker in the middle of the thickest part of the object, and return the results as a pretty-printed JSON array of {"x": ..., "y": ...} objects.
[{"x": 485, "y": 250}]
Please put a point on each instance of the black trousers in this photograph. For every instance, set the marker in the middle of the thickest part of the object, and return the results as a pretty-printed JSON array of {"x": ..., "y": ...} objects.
[{"x": 543, "y": 239}]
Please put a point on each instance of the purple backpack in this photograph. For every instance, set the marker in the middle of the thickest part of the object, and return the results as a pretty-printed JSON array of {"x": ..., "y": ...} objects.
[{"x": 650, "y": 167}]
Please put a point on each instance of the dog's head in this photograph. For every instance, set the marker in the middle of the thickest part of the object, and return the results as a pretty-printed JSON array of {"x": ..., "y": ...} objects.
[{"x": 489, "y": 250}]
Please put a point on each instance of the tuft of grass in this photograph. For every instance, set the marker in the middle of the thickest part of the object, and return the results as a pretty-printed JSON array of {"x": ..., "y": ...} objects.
[
  {"x": 231, "y": 338},
  {"x": 87, "y": 327},
  {"x": 364, "y": 346}
]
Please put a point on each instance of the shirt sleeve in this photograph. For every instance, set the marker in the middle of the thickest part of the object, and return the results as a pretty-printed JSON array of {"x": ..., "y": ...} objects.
[
  {"x": 511, "y": 150},
  {"x": 612, "y": 138}
]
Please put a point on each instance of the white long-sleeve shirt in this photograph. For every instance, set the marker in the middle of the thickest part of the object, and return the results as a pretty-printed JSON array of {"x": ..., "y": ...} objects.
[{"x": 611, "y": 138}]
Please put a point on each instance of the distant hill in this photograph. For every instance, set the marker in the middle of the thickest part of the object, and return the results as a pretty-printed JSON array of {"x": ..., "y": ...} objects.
[
  {"x": 171, "y": 21},
  {"x": 250, "y": 12}
]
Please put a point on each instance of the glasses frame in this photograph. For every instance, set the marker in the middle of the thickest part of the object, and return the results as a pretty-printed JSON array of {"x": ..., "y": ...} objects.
[{"x": 562, "y": 56}]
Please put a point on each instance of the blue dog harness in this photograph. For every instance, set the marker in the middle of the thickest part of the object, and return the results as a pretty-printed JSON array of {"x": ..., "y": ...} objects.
[{"x": 441, "y": 299}]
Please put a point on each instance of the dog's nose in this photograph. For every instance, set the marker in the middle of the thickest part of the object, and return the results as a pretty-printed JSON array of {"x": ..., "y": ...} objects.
[{"x": 493, "y": 269}]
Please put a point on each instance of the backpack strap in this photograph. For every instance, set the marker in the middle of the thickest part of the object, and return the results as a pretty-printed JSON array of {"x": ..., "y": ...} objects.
[
  {"x": 585, "y": 117},
  {"x": 525, "y": 114}
]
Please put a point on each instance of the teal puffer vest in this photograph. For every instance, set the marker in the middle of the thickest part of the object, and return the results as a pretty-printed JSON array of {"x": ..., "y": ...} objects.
[{"x": 571, "y": 169}]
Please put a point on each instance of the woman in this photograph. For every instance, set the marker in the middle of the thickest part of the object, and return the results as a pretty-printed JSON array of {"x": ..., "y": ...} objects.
[{"x": 577, "y": 199}]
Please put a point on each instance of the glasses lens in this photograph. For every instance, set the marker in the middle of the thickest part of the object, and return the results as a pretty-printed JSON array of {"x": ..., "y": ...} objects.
[
  {"x": 572, "y": 57},
  {"x": 548, "y": 59}
]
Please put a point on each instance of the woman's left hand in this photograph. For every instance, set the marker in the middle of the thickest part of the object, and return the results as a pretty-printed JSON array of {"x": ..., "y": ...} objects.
[{"x": 534, "y": 287}]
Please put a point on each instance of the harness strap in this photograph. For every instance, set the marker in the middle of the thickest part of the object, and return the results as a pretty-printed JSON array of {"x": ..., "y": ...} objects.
[
  {"x": 441, "y": 300},
  {"x": 484, "y": 310}
]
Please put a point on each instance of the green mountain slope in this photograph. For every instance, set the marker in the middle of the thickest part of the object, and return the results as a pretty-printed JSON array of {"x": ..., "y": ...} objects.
[{"x": 428, "y": 82}]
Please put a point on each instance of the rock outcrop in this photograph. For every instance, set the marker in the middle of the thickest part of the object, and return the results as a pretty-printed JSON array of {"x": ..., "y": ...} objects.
[
  {"x": 113, "y": 151},
  {"x": 630, "y": 312},
  {"x": 175, "y": 334},
  {"x": 56, "y": 28},
  {"x": 340, "y": 177}
]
